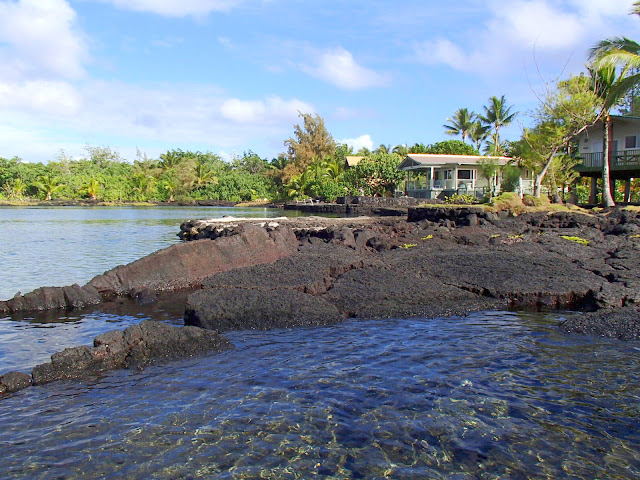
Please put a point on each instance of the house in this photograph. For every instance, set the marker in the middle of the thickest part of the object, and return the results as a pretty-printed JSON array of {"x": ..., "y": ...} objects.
[
  {"x": 352, "y": 161},
  {"x": 440, "y": 176},
  {"x": 624, "y": 153}
]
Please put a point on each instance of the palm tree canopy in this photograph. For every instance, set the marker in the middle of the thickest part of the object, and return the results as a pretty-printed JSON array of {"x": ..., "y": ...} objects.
[
  {"x": 606, "y": 56},
  {"x": 460, "y": 123},
  {"x": 615, "y": 51},
  {"x": 497, "y": 113}
]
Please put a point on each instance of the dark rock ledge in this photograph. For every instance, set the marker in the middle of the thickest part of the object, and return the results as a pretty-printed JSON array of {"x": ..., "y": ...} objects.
[
  {"x": 134, "y": 347},
  {"x": 318, "y": 272}
]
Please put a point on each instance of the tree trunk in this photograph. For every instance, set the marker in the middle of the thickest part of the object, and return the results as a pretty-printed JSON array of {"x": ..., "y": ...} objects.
[
  {"x": 607, "y": 197},
  {"x": 537, "y": 184}
]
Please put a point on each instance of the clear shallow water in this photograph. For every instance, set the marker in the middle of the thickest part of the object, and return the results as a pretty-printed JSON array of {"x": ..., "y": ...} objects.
[
  {"x": 493, "y": 395},
  {"x": 57, "y": 246}
]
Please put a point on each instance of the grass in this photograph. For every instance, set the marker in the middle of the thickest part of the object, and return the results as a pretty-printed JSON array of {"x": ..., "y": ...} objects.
[
  {"x": 407, "y": 246},
  {"x": 428, "y": 237}
]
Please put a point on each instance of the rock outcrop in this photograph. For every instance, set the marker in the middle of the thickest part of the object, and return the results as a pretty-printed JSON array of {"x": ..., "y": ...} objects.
[
  {"x": 178, "y": 267},
  {"x": 393, "y": 268},
  {"x": 138, "y": 345}
]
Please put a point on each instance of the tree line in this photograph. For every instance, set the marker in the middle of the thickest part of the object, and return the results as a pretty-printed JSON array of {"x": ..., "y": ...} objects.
[{"x": 548, "y": 147}]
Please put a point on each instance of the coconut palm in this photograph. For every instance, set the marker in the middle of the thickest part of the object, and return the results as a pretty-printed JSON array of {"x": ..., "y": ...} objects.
[
  {"x": 461, "y": 123},
  {"x": 48, "y": 184},
  {"x": 333, "y": 168},
  {"x": 610, "y": 87},
  {"x": 91, "y": 188},
  {"x": 400, "y": 150},
  {"x": 382, "y": 148},
  {"x": 203, "y": 173},
  {"x": 478, "y": 133},
  {"x": 497, "y": 114}
]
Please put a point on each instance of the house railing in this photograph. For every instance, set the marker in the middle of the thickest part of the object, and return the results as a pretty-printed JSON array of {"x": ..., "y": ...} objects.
[{"x": 619, "y": 160}]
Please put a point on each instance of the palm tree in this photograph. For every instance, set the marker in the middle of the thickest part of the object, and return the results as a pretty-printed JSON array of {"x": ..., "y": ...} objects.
[
  {"x": 382, "y": 148},
  {"x": 498, "y": 115},
  {"x": 91, "y": 188},
  {"x": 48, "y": 184},
  {"x": 606, "y": 56},
  {"x": 461, "y": 123},
  {"x": 333, "y": 168},
  {"x": 400, "y": 150},
  {"x": 478, "y": 133},
  {"x": 170, "y": 160},
  {"x": 203, "y": 174}
]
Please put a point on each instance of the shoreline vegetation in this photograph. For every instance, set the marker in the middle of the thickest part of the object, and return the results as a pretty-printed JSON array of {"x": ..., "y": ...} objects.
[{"x": 439, "y": 260}]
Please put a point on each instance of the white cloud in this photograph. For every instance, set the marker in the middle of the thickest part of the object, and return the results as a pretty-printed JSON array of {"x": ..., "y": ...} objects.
[
  {"x": 338, "y": 67},
  {"x": 175, "y": 8},
  {"x": 40, "y": 96},
  {"x": 271, "y": 110},
  {"x": 526, "y": 31},
  {"x": 535, "y": 22},
  {"x": 359, "y": 142},
  {"x": 40, "y": 39}
]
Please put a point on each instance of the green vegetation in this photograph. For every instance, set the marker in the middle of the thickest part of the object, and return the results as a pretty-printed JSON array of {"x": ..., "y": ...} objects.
[{"x": 581, "y": 241}]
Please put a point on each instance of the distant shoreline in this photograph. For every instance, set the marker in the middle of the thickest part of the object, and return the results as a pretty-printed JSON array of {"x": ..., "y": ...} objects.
[{"x": 100, "y": 203}]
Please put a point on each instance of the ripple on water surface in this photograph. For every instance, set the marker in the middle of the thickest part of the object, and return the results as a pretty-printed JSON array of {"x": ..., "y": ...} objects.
[{"x": 493, "y": 395}]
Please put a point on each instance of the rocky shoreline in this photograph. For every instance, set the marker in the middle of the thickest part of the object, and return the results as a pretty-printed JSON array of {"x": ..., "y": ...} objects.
[{"x": 316, "y": 271}]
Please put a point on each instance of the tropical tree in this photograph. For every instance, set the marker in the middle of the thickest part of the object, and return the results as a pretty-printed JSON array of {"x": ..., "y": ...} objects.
[
  {"x": 376, "y": 175},
  {"x": 400, "y": 150},
  {"x": 311, "y": 140},
  {"x": 333, "y": 168},
  {"x": 478, "y": 133},
  {"x": 563, "y": 114},
  {"x": 606, "y": 56},
  {"x": 203, "y": 174},
  {"x": 451, "y": 147},
  {"x": 382, "y": 148},
  {"x": 91, "y": 188},
  {"x": 48, "y": 184},
  {"x": 497, "y": 114},
  {"x": 461, "y": 123}
]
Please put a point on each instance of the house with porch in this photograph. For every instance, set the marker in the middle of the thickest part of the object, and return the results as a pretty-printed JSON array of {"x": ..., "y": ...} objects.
[
  {"x": 440, "y": 176},
  {"x": 624, "y": 153}
]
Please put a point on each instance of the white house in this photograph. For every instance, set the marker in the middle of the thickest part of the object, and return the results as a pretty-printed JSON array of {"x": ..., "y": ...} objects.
[
  {"x": 624, "y": 152},
  {"x": 439, "y": 176}
]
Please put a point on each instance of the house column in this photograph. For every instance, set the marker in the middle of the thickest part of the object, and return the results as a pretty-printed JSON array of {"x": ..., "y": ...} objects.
[
  {"x": 455, "y": 179},
  {"x": 431, "y": 184},
  {"x": 627, "y": 190},
  {"x": 593, "y": 194}
]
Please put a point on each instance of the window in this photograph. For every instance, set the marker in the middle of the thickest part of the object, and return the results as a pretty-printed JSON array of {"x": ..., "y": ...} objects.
[
  {"x": 448, "y": 174},
  {"x": 630, "y": 141},
  {"x": 465, "y": 174}
]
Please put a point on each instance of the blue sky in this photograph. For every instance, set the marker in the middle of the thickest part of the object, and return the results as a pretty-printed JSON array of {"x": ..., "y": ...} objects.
[{"x": 231, "y": 75}]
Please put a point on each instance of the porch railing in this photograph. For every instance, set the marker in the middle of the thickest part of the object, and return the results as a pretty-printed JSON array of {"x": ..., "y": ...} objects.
[{"x": 619, "y": 160}]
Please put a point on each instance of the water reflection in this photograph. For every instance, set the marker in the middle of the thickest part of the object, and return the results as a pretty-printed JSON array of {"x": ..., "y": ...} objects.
[{"x": 494, "y": 395}]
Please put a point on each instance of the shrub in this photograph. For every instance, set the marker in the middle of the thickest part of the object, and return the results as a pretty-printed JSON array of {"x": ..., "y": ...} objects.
[
  {"x": 461, "y": 199},
  {"x": 532, "y": 201},
  {"x": 508, "y": 201}
]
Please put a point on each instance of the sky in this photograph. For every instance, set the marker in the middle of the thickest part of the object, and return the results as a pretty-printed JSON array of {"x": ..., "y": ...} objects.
[{"x": 229, "y": 76}]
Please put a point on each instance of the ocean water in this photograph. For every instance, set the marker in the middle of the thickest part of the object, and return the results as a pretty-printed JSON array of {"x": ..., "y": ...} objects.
[
  {"x": 57, "y": 246},
  {"x": 495, "y": 395}
]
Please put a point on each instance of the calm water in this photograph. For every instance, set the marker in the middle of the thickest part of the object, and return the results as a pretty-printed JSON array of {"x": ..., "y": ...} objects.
[
  {"x": 59, "y": 246},
  {"x": 494, "y": 395}
]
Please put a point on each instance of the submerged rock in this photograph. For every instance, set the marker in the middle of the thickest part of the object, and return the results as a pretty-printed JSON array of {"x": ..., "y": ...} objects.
[
  {"x": 14, "y": 381},
  {"x": 136, "y": 346},
  {"x": 623, "y": 323}
]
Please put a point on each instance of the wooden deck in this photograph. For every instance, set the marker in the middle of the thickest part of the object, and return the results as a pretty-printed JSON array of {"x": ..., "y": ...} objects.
[{"x": 624, "y": 164}]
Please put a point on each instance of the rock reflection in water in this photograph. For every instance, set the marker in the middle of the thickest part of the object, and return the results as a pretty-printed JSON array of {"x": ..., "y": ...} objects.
[{"x": 493, "y": 395}]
